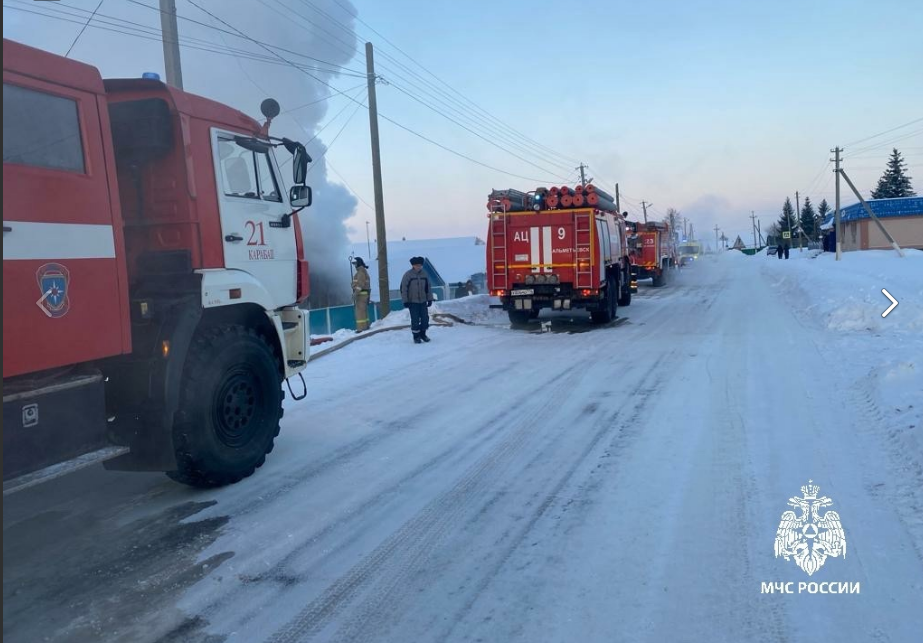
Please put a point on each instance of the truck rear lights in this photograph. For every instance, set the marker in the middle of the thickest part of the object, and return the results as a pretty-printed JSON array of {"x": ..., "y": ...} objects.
[
  {"x": 165, "y": 348},
  {"x": 586, "y": 293},
  {"x": 498, "y": 293}
]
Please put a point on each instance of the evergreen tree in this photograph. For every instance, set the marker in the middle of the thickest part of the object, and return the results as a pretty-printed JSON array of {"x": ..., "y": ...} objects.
[
  {"x": 787, "y": 221},
  {"x": 894, "y": 182},
  {"x": 808, "y": 220},
  {"x": 822, "y": 211}
]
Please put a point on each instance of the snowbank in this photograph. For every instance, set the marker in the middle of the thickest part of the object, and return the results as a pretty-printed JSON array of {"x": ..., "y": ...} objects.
[
  {"x": 846, "y": 295},
  {"x": 880, "y": 359}
]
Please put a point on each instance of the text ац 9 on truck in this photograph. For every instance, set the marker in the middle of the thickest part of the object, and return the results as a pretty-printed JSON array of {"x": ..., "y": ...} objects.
[
  {"x": 152, "y": 270},
  {"x": 558, "y": 248}
]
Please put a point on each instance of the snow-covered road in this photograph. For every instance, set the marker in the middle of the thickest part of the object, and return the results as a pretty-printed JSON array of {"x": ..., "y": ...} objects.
[{"x": 620, "y": 484}]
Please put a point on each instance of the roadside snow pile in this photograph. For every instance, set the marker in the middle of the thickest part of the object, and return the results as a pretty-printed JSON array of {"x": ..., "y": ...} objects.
[
  {"x": 846, "y": 295},
  {"x": 880, "y": 358},
  {"x": 474, "y": 309},
  {"x": 901, "y": 385}
]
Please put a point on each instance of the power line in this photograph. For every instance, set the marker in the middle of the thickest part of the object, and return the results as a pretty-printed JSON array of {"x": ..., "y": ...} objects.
[
  {"x": 467, "y": 129},
  {"x": 450, "y": 87},
  {"x": 348, "y": 187},
  {"x": 462, "y": 111},
  {"x": 320, "y": 100},
  {"x": 84, "y": 28},
  {"x": 390, "y": 120},
  {"x": 334, "y": 139},
  {"x": 356, "y": 72},
  {"x": 887, "y": 143},
  {"x": 861, "y": 140},
  {"x": 145, "y": 32}
]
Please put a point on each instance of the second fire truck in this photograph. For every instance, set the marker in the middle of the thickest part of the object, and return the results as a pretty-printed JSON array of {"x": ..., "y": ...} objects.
[{"x": 557, "y": 248}]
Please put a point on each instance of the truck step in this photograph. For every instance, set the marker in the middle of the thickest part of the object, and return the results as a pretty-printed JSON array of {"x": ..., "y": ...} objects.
[
  {"x": 296, "y": 363},
  {"x": 287, "y": 325},
  {"x": 61, "y": 469}
]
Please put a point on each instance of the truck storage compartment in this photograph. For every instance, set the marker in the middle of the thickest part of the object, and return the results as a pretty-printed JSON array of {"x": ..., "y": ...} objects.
[{"x": 52, "y": 419}]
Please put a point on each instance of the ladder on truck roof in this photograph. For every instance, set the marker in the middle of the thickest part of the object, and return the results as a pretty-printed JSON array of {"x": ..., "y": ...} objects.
[
  {"x": 583, "y": 238},
  {"x": 501, "y": 278}
]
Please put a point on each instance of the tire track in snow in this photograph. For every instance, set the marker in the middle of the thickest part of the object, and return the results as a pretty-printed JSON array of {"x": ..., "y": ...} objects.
[
  {"x": 640, "y": 396},
  {"x": 402, "y": 551},
  {"x": 279, "y": 572}
]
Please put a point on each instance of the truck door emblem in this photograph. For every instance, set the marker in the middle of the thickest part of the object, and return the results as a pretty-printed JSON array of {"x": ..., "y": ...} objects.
[{"x": 53, "y": 279}]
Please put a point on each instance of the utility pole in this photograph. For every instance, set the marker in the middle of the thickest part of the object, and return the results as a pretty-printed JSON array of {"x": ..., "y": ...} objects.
[
  {"x": 716, "y": 238},
  {"x": 872, "y": 216},
  {"x": 836, "y": 214},
  {"x": 753, "y": 226},
  {"x": 170, "y": 37},
  {"x": 384, "y": 290},
  {"x": 685, "y": 236},
  {"x": 798, "y": 218},
  {"x": 618, "y": 204},
  {"x": 582, "y": 167},
  {"x": 644, "y": 205}
]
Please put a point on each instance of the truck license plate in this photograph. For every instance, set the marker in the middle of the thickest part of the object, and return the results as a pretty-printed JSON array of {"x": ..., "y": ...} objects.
[{"x": 523, "y": 291}]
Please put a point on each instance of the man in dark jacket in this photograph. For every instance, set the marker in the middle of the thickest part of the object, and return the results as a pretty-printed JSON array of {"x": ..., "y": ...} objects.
[{"x": 417, "y": 297}]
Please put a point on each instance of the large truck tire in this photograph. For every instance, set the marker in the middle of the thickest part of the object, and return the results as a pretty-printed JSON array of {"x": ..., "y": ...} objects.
[
  {"x": 519, "y": 317},
  {"x": 230, "y": 408},
  {"x": 625, "y": 299},
  {"x": 608, "y": 313},
  {"x": 658, "y": 280}
]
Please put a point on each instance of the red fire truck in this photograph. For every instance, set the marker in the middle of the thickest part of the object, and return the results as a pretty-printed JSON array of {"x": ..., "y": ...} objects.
[
  {"x": 152, "y": 267},
  {"x": 557, "y": 258},
  {"x": 652, "y": 250}
]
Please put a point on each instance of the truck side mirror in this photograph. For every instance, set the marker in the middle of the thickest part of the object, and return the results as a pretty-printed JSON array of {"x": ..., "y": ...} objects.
[
  {"x": 300, "y": 196},
  {"x": 300, "y": 164}
]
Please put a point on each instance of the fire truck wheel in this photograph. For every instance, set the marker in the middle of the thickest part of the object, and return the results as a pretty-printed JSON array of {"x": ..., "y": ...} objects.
[
  {"x": 519, "y": 317},
  {"x": 625, "y": 299},
  {"x": 230, "y": 408},
  {"x": 658, "y": 280}
]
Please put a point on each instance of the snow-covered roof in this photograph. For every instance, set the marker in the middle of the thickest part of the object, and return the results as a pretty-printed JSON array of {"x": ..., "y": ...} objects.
[
  {"x": 453, "y": 258},
  {"x": 908, "y": 206}
]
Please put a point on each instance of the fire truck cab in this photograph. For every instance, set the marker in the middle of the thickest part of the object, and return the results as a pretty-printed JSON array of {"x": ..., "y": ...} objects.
[{"x": 152, "y": 270}]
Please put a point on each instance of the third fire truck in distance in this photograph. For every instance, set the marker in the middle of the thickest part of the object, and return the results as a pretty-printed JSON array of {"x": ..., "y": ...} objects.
[
  {"x": 652, "y": 250},
  {"x": 559, "y": 248}
]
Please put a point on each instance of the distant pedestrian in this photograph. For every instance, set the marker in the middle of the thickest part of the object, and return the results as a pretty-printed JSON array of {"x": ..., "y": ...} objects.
[
  {"x": 471, "y": 288},
  {"x": 786, "y": 251},
  {"x": 362, "y": 285},
  {"x": 780, "y": 251},
  {"x": 417, "y": 297}
]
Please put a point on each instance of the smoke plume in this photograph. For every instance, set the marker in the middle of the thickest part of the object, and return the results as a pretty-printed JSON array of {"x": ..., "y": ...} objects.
[{"x": 242, "y": 83}]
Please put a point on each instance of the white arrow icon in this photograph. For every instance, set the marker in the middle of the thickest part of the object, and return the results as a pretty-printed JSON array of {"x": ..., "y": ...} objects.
[{"x": 893, "y": 302}]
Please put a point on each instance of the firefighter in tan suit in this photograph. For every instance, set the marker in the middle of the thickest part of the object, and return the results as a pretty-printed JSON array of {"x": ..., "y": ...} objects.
[{"x": 362, "y": 286}]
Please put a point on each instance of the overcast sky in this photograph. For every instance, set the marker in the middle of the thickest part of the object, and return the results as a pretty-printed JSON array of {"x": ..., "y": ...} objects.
[{"x": 713, "y": 108}]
